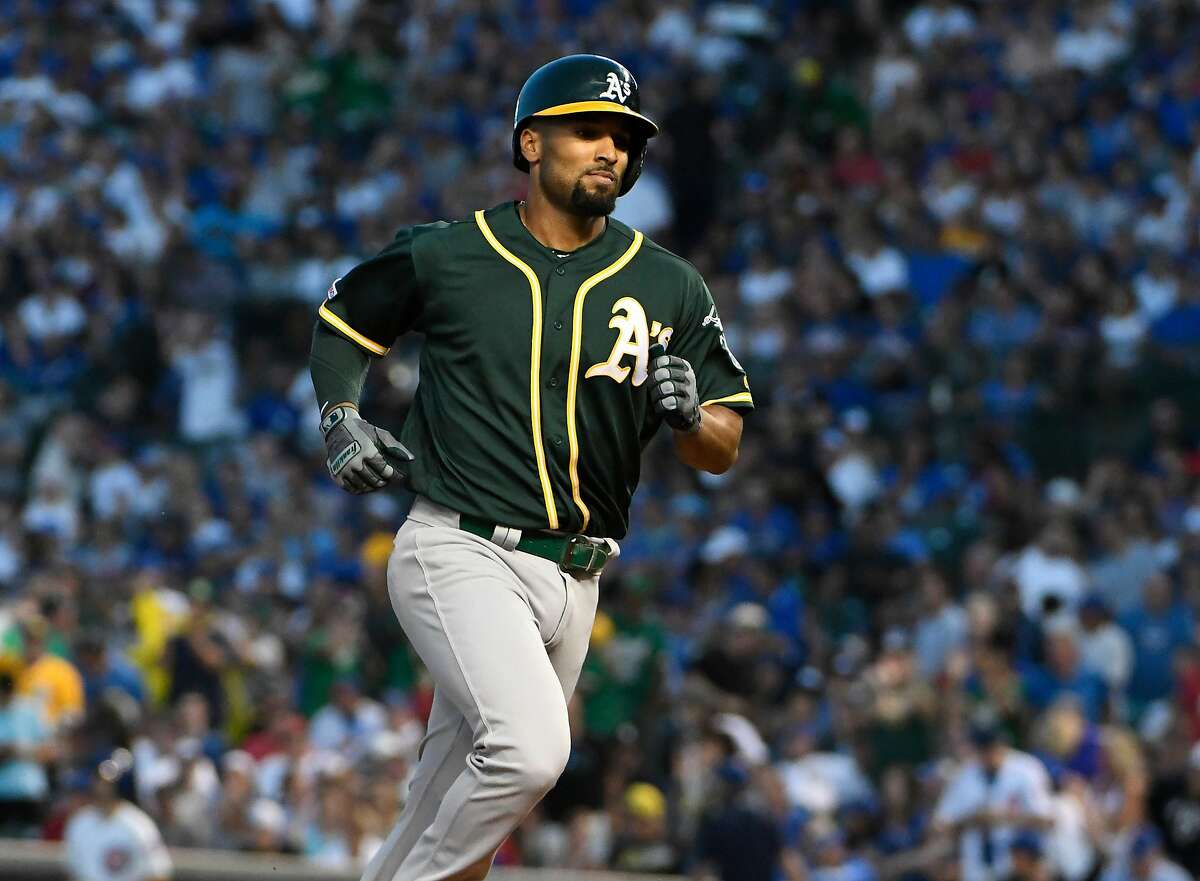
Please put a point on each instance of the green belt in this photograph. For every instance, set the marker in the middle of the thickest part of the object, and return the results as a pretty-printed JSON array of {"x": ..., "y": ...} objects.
[{"x": 572, "y": 553}]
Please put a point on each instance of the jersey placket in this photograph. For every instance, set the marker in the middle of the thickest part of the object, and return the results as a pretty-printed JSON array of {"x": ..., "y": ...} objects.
[{"x": 558, "y": 287}]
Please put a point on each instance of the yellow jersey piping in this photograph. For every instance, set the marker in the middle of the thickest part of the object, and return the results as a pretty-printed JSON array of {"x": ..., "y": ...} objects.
[
  {"x": 573, "y": 375},
  {"x": 535, "y": 360},
  {"x": 739, "y": 398},
  {"x": 370, "y": 345}
]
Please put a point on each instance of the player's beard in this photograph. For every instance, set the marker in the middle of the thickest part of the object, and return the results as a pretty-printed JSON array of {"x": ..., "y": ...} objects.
[{"x": 599, "y": 202}]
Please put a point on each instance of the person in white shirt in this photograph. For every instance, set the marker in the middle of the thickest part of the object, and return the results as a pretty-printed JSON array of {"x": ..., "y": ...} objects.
[
  {"x": 994, "y": 796},
  {"x": 348, "y": 722},
  {"x": 112, "y": 839},
  {"x": 1105, "y": 648}
]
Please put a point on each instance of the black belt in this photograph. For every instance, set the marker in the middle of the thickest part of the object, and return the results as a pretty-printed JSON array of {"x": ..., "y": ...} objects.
[{"x": 572, "y": 553}]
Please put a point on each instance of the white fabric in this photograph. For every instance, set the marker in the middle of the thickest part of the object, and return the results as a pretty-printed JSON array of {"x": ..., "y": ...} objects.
[
  {"x": 1155, "y": 294},
  {"x": 1090, "y": 51},
  {"x": 821, "y": 782},
  {"x": 1021, "y": 783},
  {"x": 881, "y": 272},
  {"x": 1069, "y": 845},
  {"x": 926, "y": 26},
  {"x": 1123, "y": 335},
  {"x": 759, "y": 287},
  {"x": 125, "y": 846},
  {"x": 44, "y": 316},
  {"x": 1039, "y": 576},
  {"x": 1107, "y": 652},
  {"x": 333, "y": 730},
  {"x": 151, "y": 87},
  {"x": 208, "y": 404},
  {"x": 114, "y": 489}
]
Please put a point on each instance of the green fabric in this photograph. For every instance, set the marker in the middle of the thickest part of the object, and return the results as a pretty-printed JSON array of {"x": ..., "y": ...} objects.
[
  {"x": 338, "y": 367},
  {"x": 471, "y": 423},
  {"x": 320, "y": 669},
  {"x": 584, "y": 558},
  {"x": 618, "y": 677}
]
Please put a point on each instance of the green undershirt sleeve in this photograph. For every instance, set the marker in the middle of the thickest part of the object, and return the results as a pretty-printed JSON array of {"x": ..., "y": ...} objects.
[{"x": 338, "y": 368}]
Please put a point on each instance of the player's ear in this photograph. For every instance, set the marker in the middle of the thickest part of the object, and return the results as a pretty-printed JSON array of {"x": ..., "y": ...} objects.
[{"x": 531, "y": 142}]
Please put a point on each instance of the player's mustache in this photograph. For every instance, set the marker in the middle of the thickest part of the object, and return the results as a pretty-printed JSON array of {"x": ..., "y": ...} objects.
[{"x": 603, "y": 169}]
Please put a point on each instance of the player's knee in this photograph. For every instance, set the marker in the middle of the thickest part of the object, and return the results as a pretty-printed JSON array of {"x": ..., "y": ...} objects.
[{"x": 543, "y": 761}]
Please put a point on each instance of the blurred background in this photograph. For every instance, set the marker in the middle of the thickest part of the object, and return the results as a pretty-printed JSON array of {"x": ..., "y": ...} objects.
[{"x": 940, "y": 621}]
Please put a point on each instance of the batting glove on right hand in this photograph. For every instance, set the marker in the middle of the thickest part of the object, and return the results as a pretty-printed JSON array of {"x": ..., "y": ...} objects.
[
  {"x": 673, "y": 390},
  {"x": 361, "y": 457}
]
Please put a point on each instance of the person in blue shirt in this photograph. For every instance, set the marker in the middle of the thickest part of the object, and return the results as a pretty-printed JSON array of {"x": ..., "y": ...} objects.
[
  {"x": 104, "y": 671},
  {"x": 1062, "y": 674},
  {"x": 1159, "y": 626}
]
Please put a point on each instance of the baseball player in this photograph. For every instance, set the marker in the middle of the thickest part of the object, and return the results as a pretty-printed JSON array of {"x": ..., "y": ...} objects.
[{"x": 557, "y": 341}]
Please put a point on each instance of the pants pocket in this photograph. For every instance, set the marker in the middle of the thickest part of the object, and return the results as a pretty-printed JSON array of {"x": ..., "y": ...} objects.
[{"x": 560, "y": 626}]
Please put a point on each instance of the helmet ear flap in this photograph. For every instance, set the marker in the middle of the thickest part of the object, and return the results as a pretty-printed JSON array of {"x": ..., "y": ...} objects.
[{"x": 637, "y": 159}]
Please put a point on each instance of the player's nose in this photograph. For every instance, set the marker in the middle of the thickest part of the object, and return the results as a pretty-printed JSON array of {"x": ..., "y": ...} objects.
[{"x": 606, "y": 150}]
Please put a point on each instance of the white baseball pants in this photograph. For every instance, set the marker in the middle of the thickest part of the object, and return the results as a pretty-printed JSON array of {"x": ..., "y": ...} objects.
[{"x": 503, "y": 633}]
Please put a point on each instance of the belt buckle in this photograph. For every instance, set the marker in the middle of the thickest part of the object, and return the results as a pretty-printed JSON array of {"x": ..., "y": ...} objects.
[{"x": 594, "y": 551}]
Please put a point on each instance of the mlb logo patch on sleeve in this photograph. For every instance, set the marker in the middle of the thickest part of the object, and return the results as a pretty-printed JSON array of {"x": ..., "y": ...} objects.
[{"x": 333, "y": 291}]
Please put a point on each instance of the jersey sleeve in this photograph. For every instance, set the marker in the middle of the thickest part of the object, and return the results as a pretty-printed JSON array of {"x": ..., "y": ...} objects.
[
  {"x": 720, "y": 378},
  {"x": 377, "y": 300}
]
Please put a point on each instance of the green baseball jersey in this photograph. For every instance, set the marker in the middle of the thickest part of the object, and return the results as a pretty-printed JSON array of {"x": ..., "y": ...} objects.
[{"x": 533, "y": 405}]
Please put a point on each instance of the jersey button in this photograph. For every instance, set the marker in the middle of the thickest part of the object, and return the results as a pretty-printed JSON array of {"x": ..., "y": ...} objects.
[
  {"x": 554, "y": 382},
  {"x": 558, "y": 325},
  {"x": 560, "y": 270},
  {"x": 558, "y": 440}
]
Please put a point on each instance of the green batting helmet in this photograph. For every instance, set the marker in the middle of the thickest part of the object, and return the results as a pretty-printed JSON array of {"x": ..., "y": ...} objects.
[{"x": 584, "y": 84}]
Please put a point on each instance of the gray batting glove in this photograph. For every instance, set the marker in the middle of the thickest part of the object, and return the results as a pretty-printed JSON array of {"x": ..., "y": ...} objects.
[
  {"x": 673, "y": 390},
  {"x": 362, "y": 458}
]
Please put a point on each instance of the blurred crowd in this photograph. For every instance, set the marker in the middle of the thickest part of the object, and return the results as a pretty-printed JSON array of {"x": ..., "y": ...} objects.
[{"x": 939, "y": 623}]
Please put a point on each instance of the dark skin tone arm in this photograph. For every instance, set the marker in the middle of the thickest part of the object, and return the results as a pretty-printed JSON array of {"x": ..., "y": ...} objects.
[{"x": 714, "y": 448}]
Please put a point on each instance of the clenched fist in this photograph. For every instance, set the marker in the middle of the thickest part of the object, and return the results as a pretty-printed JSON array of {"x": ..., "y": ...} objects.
[
  {"x": 361, "y": 457},
  {"x": 673, "y": 390}
]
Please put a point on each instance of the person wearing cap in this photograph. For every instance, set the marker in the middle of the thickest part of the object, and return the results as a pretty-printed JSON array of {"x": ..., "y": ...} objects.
[
  {"x": 995, "y": 795},
  {"x": 643, "y": 843},
  {"x": 111, "y": 839}
]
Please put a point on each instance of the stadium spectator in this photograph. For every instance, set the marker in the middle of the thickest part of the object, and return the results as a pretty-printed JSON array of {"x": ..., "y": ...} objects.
[{"x": 955, "y": 243}]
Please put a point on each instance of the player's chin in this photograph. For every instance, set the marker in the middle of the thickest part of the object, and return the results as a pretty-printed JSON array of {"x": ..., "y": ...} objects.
[{"x": 594, "y": 196}]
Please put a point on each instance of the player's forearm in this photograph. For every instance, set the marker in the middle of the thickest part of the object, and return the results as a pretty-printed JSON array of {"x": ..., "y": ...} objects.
[
  {"x": 338, "y": 368},
  {"x": 714, "y": 448}
]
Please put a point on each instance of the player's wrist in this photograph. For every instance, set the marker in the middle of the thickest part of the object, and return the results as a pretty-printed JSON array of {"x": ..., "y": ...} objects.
[{"x": 337, "y": 415}]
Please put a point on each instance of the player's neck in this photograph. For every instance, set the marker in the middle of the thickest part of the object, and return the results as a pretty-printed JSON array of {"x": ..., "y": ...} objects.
[{"x": 555, "y": 228}]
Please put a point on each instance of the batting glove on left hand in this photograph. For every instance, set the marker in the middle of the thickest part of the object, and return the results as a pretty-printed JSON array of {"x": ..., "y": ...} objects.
[
  {"x": 673, "y": 390},
  {"x": 362, "y": 458}
]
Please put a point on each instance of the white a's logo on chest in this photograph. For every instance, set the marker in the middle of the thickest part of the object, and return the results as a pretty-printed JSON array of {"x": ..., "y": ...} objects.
[
  {"x": 634, "y": 337},
  {"x": 617, "y": 88}
]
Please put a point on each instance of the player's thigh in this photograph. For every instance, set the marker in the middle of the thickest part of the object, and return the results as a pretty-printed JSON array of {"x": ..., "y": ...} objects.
[
  {"x": 571, "y": 646},
  {"x": 466, "y": 615}
]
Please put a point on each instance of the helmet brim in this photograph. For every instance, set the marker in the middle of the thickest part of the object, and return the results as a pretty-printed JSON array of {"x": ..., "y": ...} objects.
[{"x": 600, "y": 107}]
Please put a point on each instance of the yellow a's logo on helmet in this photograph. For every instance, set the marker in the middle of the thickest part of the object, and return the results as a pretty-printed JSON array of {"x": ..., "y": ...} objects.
[{"x": 616, "y": 88}]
